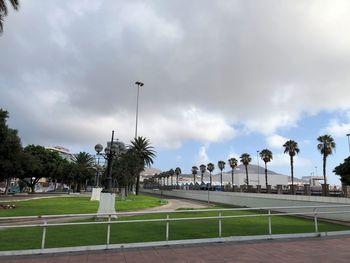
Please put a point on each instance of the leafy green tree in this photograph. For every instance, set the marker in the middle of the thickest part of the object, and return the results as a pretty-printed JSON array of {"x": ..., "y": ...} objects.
[
  {"x": 221, "y": 165},
  {"x": 245, "y": 160},
  {"x": 177, "y": 172},
  {"x": 4, "y": 11},
  {"x": 37, "y": 163},
  {"x": 194, "y": 171},
  {"x": 343, "y": 170},
  {"x": 202, "y": 168},
  {"x": 10, "y": 151},
  {"x": 144, "y": 153},
  {"x": 125, "y": 169},
  {"x": 291, "y": 147},
  {"x": 326, "y": 146},
  {"x": 233, "y": 164},
  {"x": 266, "y": 156},
  {"x": 210, "y": 168}
]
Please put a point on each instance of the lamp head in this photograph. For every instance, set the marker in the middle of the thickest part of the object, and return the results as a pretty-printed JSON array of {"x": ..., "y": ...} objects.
[
  {"x": 139, "y": 83},
  {"x": 98, "y": 148}
]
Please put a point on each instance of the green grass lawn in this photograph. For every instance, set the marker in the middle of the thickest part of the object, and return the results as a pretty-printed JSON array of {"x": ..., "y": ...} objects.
[
  {"x": 75, "y": 205},
  {"x": 64, "y": 236}
]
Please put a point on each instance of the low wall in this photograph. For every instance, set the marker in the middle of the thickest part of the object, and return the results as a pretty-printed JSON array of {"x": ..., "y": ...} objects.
[{"x": 265, "y": 200}]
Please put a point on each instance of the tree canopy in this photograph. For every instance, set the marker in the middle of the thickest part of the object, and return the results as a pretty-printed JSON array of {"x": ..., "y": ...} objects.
[{"x": 343, "y": 170}]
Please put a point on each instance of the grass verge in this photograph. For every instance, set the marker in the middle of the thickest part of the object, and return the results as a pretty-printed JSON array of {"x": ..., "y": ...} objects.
[{"x": 65, "y": 236}]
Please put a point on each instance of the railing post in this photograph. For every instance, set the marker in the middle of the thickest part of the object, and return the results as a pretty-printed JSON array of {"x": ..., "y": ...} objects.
[
  {"x": 270, "y": 223},
  {"x": 220, "y": 224},
  {"x": 167, "y": 228},
  {"x": 315, "y": 219},
  {"x": 44, "y": 235},
  {"x": 108, "y": 230}
]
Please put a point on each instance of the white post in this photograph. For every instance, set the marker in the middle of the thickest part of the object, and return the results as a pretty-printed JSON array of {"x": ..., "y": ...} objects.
[
  {"x": 44, "y": 235},
  {"x": 270, "y": 225},
  {"x": 220, "y": 234}
]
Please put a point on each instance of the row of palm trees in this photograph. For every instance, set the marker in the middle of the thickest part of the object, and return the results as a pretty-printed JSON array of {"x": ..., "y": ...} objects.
[{"x": 326, "y": 146}]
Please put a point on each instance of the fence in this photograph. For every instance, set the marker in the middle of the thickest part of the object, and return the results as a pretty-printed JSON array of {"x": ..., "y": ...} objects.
[{"x": 269, "y": 213}]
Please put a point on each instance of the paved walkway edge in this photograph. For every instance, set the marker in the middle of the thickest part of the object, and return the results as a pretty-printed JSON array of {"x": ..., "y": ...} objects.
[{"x": 172, "y": 242}]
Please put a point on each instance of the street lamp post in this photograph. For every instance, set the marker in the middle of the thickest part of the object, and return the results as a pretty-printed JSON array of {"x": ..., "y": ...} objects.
[
  {"x": 139, "y": 84},
  {"x": 348, "y": 135},
  {"x": 98, "y": 149},
  {"x": 112, "y": 150},
  {"x": 257, "y": 158}
]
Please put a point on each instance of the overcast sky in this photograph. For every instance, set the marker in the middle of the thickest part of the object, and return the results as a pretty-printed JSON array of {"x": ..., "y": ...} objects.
[{"x": 221, "y": 77}]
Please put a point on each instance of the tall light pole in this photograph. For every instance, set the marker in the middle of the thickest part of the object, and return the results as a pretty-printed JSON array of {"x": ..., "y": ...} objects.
[
  {"x": 257, "y": 158},
  {"x": 348, "y": 135},
  {"x": 139, "y": 84}
]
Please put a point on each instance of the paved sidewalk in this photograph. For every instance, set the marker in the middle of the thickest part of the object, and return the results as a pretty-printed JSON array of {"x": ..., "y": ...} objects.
[{"x": 335, "y": 249}]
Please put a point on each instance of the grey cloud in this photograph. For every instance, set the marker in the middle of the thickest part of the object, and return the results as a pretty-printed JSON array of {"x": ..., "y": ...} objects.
[{"x": 236, "y": 58}]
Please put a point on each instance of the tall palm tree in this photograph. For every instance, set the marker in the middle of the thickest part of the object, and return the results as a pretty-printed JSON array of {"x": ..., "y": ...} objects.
[
  {"x": 210, "y": 167},
  {"x": 246, "y": 159},
  {"x": 177, "y": 172},
  {"x": 221, "y": 165},
  {"x": 233, "y": 164},
  {"x": 144, "y": 153},
  {"x": 4, "y": 10},
  {"x": 326, "y": 146},
  {"x": 266, "y": 156},
  {"x": 171, "y": 173},
  {"x": 291, "y": 147},
  {"x": 194, "y": 172},
  {"x": 203, "y": 168}
]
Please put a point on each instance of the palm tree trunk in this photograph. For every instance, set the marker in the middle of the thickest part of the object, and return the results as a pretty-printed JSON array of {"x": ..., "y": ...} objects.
[
  {"x": 194, "y": 179},
  {"x": 137, "y": 183},
  {"x": 232, "y": 177},
  {"x": 177, "y": 180},
  {"x": 266, "y": 175},
  {"x": 292, "y": 173},
  {"x": 324, "y": 168},
  {"x": 202, "y": 178},
  {"x": 246, "y": 173},
  {"x": 221, "y": 179},
  {"x": 8, "y": 182}
]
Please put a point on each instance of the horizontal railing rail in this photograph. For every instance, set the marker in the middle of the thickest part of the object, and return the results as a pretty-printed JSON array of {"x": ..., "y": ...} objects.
[{"x": 269, "y": 212}]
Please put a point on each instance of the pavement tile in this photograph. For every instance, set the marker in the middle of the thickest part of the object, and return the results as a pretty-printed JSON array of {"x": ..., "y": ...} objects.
[{"x": 311, "y": 250}]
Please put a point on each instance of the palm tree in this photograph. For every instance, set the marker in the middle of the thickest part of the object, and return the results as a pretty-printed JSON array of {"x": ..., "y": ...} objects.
[
  {"x": 233, "y": 164},
  {"x": 326, "y": 147},
  {"x": 203, "y": 168},
  {"x": 4, "y": 11},
  {"x": 194, "y": 172},
  {"x": 171, "y": 173},
  {"x": 266, "y": 156},
  {"x": 144, "y": 153},
  {"x": 210, "y": 167},
  {"x": 246, "y": 159},
  {"x": 221, "y": 165},
  {"x": 84, "y": 165},
  {"x": 291, "y": 147},
  {"x": 177, "y": 172}
]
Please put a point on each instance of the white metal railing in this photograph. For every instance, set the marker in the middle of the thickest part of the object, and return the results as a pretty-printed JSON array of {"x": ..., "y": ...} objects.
[{"x": 314, "y": 212}]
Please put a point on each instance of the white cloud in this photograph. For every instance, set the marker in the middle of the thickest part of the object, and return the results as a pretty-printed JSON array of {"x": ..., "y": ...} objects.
[
  {"x": 275, "y": 141},
  {"x": 202, "y": 155},
  {"x": 182, "y": 124},
  {"x": 283, "y": 160},
  {"x": 336, "y": 128}
]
